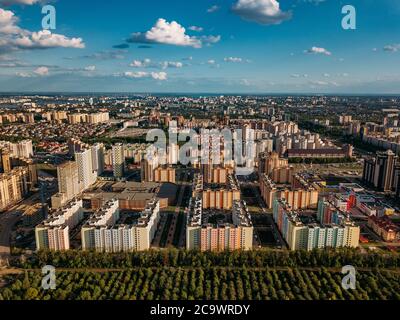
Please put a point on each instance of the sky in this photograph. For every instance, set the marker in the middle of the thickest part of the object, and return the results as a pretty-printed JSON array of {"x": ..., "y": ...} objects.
[{"x": 200, "y": 46}]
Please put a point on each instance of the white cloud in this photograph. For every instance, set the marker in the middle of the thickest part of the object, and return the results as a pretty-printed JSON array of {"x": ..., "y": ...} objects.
[
  {"x": 147, "y": 63},
  {"x": 13, "y": 38},
  {"x": 172, "y": 33},
  {"x": 90, "y": 68},
  {"x": 317, "y": 50},
  {"x": 159, "y": 75},
  {"x": 195, "y": 28},
  {"x": 212, "y": 9},
  {"x": 8, "y": 22},
  {"x": 140, "y": 63},
  {"x": 391, "y": 48},
  {"x": 139, "y": 74},
  {"x": 143, "y": 74},
  {"x": 46, "y": 39},
  {"x": 323, "y": 83},
  {"x": 297, "y": 75},
  {"x": 23, "y": 74},
  {"x": 233, "y": 59},
  {"x": 326, "y": 75},
  {"x": 42, "y": 71},
  {"x": 266, "y": 12},
  {"x": 210, "y": 39},
  {"x": 11, "y": 2},
  {"x": 211, "y": 61},
  {"x": 171, "y": 64}
]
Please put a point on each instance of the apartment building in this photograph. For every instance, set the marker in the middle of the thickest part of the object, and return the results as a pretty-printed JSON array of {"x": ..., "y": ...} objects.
[
  {"x": 14, "y": 186},
  {"x": 21, "y": 149},
  {"x": 118, "y": 160},
  {"x": 382, "y": 171},
  {"x": 299, "y": 198},
  {"x": 217, "y": 196},
  {"x": 103, "y": 234},
  {"x": 302, "y": 235},
  {"x": 53, "y": 233},
  {"x": 203, "y": 232},
  {"x": 77, "y": 176}
]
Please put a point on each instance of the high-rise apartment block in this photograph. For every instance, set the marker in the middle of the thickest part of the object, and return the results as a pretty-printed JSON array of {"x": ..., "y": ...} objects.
[
  {"x": 53, "y": 233},
  {"x": 382, "y": 171},
  {"x": 216, "y": 196},
  {"x": 14, "y": 186},
  {"x": 207, "y": 231},
  {"x": 76, "y": 176},
  {"x": 301, "y": 234},
  {"x": 21, "y": 149},
  {"x": 118, "y": 159},
  {"x": 102, "y": 234}
]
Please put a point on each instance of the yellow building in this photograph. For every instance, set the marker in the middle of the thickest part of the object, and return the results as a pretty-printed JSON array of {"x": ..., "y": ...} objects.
[
  {"x": 164, "y": 174},
  {"x": 299, "y": 198}
]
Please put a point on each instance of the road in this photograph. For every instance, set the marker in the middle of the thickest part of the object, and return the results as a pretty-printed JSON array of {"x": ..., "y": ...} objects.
[
  {"x": 178, "y": 208},
  {"x": 261, "y": 204}
]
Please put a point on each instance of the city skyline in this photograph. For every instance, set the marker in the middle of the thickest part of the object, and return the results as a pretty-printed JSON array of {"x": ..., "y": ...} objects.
[{"x": 241, "y": 46}]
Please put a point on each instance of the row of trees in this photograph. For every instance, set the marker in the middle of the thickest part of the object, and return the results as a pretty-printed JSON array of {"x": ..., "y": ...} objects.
[
  {"x": 183, "y": 258},
  {"x": 205, "y": 283}
]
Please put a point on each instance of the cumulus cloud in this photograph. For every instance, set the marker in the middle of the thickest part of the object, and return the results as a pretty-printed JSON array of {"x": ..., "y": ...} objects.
[
  {"x": 213, "y": 8},
  {"x": 23, "y": 74},
  {"x": 195, "y": 28},
  {"x": 236, "y": 60},
  {"x": 14, "y": 38},
  {"x": 324, "y": 83},
  {"x": 171, "y": 64},
  {"x": 142, "y": 74},
  {"x": 90, "y": 68},
  {"x": 391, "y": 48},
  {"x": 42, "y": 71},
  {"x": 140, "y": 63},
  {"x": 8, "y": 22},
  {"x": 317, "y": 50},
  {"x": 159, "y": 75},
  {"x": 266, "y": 12},
  {"x": 46, "y": 39},
  {"x": 147, "y": 63},
  {"x": 210, "y": 39},
  {"x": 297, "y": 75},
  {"x": 171, "y": 33},
  {"x": 11, "y": 2}
]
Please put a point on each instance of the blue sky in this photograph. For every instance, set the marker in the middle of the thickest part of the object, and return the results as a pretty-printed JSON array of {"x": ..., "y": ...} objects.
[{"x": 225, "y": 46}]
